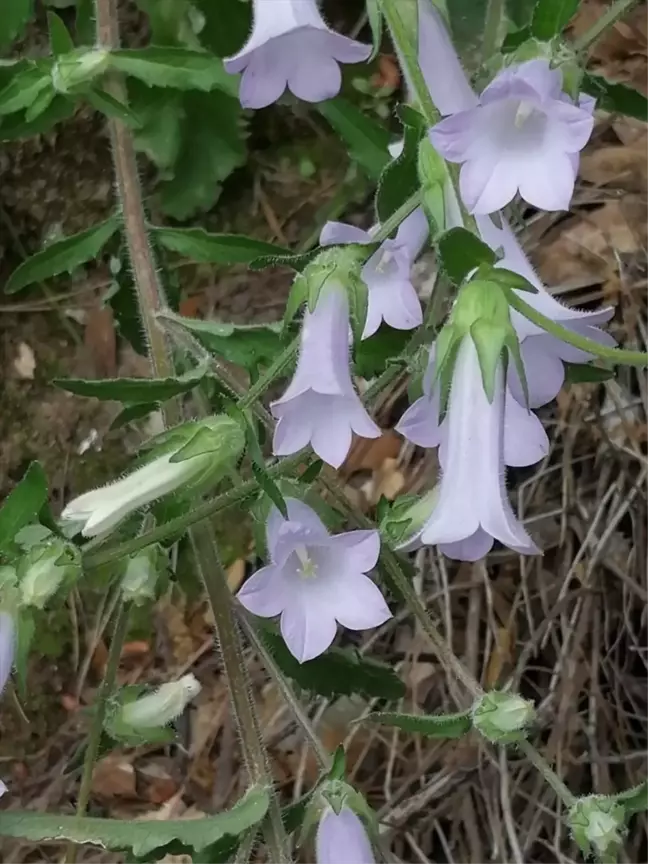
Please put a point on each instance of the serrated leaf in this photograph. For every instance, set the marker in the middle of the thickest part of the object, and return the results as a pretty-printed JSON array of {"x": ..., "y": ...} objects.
[
  {"x": 374, "y": 14},
  {"x": 616, "y": 97},
  {"x": 270, "y": 488},
  {"x": 244, "y": 345},
  {"x": 550, "y": 17},
  {"x": 134, "y": 390},
  {"x": 25, "y": 86},
  {"x": 139, "y": 837},
  {"x": 460, "y": 252},
  {"x": 16, "y": 126},
  {"x": 23, "y": 503},
  {"x": 585, "y": 373},
  {"x": 60, "y": 40},
  {"x": 13, "y": 20},
  {"x": 262, "y": 477},
  {"x": 399, "y": 180},
  {"x": 40, "y": 104},
  {"x": 298, "y": 295},
  {"x": 366, "y": 139},
  {"x": 358, "y": 295},
  {"x": 105, "y": 103},
  {"x": 297, "y": 261},
  {"x": 634, "y": 800},
  {"x": 180, "y": 68},
  {"x": 340, "y": 671},
  {"x": 133, "y": 412},
  {"x": 199, "y": 245},
  {"x": 63, "y": 255},
  {"x": 431, "y": 726}
]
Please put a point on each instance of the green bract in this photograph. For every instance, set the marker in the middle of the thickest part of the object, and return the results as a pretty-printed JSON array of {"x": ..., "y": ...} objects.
[
  {"x": 502, "y": 718},
  {"x": 44, "y": 568},
  {"x": 78, "y": 68},
  {"x": 597, "y": 823},
  {"x": 140, "y": 582}
]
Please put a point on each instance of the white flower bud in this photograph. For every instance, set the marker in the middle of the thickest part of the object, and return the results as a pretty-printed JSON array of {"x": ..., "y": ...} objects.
[
  {"x": 598, "y": 825},
  {"x": 159, "y": 708},
  {"x": 139, "y": 583},
  {"x": 43, "y": 569},
  {"x": 502, "y": 717}
]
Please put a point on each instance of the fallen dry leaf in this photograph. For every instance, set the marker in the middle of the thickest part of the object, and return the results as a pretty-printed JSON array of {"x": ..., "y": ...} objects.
[
  {"x": 25, "y": 362},
  {"x": 114, "y": 777}
]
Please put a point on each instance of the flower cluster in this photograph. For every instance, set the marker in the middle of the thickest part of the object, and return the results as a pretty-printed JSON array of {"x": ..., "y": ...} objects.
[{"x": 521, "y": 135}]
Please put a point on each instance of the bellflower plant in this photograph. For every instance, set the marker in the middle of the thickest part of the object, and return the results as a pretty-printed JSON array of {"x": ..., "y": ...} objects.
[
  {"x": 7, "y": 647},
  {"x": 392, "y": 297},
  {"x": 341, "y": 837},
  {"x": 321, "y": 406},
  {"x": 524, "y": 136},
  {"x": 292, "y": 47},
  {"x": 315, "y": 581}
]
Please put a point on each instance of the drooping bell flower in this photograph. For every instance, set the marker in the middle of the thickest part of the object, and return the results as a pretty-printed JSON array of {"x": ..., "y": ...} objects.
[
  {"x": 387, "y": 274},
  {"x": 315, "y": 581},
  {"x": 218, "y": 441},
  {"x": 521, "y": 137},
  {"x": 543, "y": 355},
  {"x": 162, "y": 706},
  {"x": 342, "y": 839},
  {"x": 321, "y": 406},
  {"x": 473, "y": 509},
  {"x": 7, "y": 647},
  {"x": 292, "y": 46}
]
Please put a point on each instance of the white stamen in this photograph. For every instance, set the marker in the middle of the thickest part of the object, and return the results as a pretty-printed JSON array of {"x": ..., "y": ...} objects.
[{"x": 524, "y": 111}]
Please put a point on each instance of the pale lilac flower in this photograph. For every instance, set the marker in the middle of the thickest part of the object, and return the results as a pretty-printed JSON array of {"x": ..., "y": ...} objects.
[
  {"x": 3, "y": 788},
  {"x": 291, "y": 46},
  {"x": 342, "y": 839},
  {"x": 542, "y": 354},
  {"x": 315, "y": 581},
  {"x": 473, "y": 507},
  {"x": 392, "y": 297},
  {"x": 520, "y": 138},
  {"x": 525, "y": 440},
  {"x": 7, "y": 647},
  {"x": 320, "y": 406}
]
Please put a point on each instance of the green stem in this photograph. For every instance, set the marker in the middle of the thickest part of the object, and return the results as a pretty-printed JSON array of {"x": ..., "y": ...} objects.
[
  {"x": 540, "y": 763},
  {"x": 616, "y": 355},
  {"x": 94, "y": 736},
  {"x": 177, "y": 526},
  {"x": 616, "y": 11},
  {"x": 402, "y": 19},
  {"x": 214, "y": 579},
  {"x": 274, "y": 371},
  {"x": 495, "y": 12},
  {"x": 392, "y": 222}
]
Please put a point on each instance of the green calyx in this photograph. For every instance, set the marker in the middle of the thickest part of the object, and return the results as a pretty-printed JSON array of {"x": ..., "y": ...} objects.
[
  {"x": 144, "y": 573},
  {"x": 407, "y": 516},
  {"x": 44, "y": 569},
  {"x": 503, "y": 718},
  {"x": 75, "y": 70},
  {"x": 597, "y": 823}
]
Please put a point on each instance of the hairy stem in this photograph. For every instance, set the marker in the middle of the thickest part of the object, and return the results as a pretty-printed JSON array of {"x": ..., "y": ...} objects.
[
  {"x": 540, "y": 763},
  {"x": 616, "y": 11},
  {"x": 214, "y": 579},
  {"x": 495, "y": 12},
  {"x": 94, "y": 736}
]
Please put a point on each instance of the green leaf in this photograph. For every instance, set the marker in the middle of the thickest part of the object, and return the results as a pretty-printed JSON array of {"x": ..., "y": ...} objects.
[
  {"x": 372, "y": 355},
  {"x": 16, "y": 126},
  {"x": 433, "y": 177},
  {"x": 200, "y": 245},
  {"x": 262, "y": 477},
  {"x": 227, "y": 25},
  {"x": 460, "y": 251},
  {"x": 23, "y": 503},
  {"x": 25, "y": 86},
  {"x": 432, "y": 726},
  {"x": 550, "y": 17},
  {"x": 585, "y": 373},
  {"x": 297, "y": 261},
  {"x": 134, "y": 390},
  {"x": 340, "y": 671},
  {"x": 139, "y": 837},
  {"x": 399, "y": 180},
  {"x": 180, "y": 68},
  {"x": 634, "y": 800},
  {"x": 244, "y": 345},
  {"x": 13, "y": 20},
  {"x": 133, "y": 412},
  {"x": 616, "y": 97},
  {"x": 211, "y": 148},
  {"x": 374, "y": 14},
  {"x": 297, "y": 296},
  {"x": 162, "y": 120},
  {"x": 367, "y": 140},
  {"x": 62, "y": 255},
  {"x": 106, "y": 104},
  {"x": 60, "y": 40}
]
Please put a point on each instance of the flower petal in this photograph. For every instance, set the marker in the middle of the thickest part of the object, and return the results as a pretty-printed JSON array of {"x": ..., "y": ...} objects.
[
  {"x": 7, "y": 647},
  {"x": 488, "y": 182},
  {"x": 472, "y": 548},
  {"x": 263, "y": 81},
  {"x": 548, "y": 181},
  {"x": 525, "y": 440},
  {"x": 307, "y": 629},
  {"x": 333, "y": 442},
  {"x": 420, "y": 423},
  {"x": 292, "y": 432},
  {"x": 358, "y": 550},
  {"x": 334, "y": 233},
  {"x": 544, "y": 373},
  {"x": 317, "y": 77},
  {"x": 342, "y": 839},
  {"x": 265, "y": 593},
  {"x": 360, "y": 605}
]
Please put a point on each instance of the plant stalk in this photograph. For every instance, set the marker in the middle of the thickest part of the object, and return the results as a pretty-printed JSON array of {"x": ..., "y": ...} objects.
[
  {"x": 94, "y": 736},
  {"x": 495, "y": 12},
  {"x": 616, "y": 11}
]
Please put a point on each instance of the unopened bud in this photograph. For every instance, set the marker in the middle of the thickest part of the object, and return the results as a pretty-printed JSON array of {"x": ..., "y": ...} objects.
[
  {"x": 139, "y": 583},
  {"x": 44, "y": 568},
  {"x": 159, "y": 708},
  {"x": 597, "y": 823},
  {"x": 503, "y": 717}
]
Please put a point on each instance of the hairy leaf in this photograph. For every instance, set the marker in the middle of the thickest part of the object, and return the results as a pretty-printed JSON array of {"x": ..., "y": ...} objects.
[
  {"x": 139, "y": 837},
  {"x": 550, "y": 17},
  {"x": 133, "y": 391},
  {"x": 25, "y": 86},
  {"x": 16, "y": 126},
  {"x": 634, "y": 800},
  {"x": 461, "y": 251},
  {"x": 340, "y": 671},
  {"x": 586, "y": 373},
  {"x": 23, "y": 503},
  {"x": 399, "y": 180},
  {"x": 62, "y": 255},
  {"x": 13, "y": 19},
  {"x": 180, "y": 68},
  {"x": 367, "y": 140},
  {"x": 616, "y": 97},
  {"x": 432, "y": 726},
  {"x": 200, "y": 245}
]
